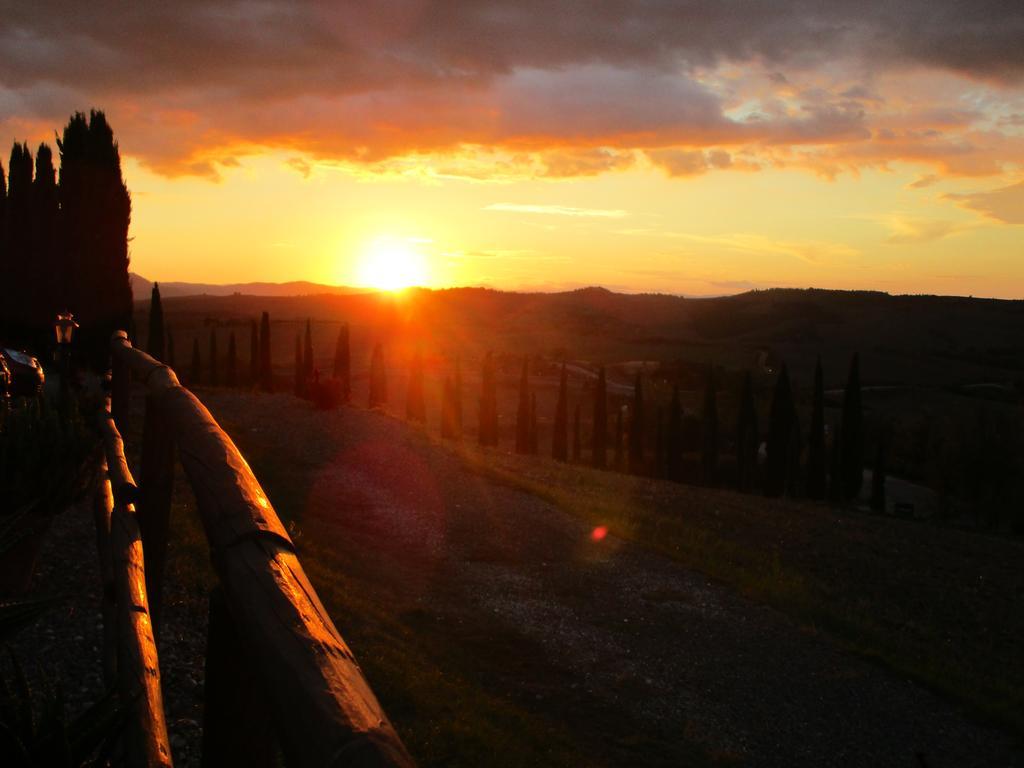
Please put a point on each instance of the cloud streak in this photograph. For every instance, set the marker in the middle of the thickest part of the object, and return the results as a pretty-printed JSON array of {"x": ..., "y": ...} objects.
[
  {"x": 701, "y": 86},
  {"x": 557, "y": 210}
]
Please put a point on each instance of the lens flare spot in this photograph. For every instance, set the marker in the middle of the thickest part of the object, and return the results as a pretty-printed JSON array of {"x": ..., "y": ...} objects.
[{"x": 599, "y": 533}]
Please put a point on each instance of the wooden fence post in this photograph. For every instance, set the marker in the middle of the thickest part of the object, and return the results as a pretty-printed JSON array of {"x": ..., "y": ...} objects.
[
  {"x": 237, "y": 718},
  {"x": 103, "y": 506},
  {"x": 120, "y": 391},
  {"x": 137, "y": 664},
  {"x": 157, "y": 484}
]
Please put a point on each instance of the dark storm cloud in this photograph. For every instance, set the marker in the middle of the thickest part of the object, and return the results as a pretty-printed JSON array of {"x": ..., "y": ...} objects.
[{"x": 365, "y": 80}]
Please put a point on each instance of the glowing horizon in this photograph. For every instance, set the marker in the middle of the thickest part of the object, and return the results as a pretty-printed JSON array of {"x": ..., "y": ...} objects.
[{"x": 877, "y": 146}]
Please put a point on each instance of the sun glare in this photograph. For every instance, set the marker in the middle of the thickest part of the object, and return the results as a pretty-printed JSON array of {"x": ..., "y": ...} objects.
[{"x": 391, "y": 264}]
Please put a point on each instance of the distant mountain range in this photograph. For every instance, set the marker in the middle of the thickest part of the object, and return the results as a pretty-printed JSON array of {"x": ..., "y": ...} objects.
[{"x": 141, "y": 288}]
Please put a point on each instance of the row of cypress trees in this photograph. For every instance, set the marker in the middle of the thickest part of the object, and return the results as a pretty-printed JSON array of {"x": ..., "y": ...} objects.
[
  {"x": 64, "y": 239},
  {"x": 837, "y": 475},
  {"x": 160, "y": 345}
]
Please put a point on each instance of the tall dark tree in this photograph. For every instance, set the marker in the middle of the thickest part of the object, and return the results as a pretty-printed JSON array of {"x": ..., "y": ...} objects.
[
  {"x": 196, "y": 375},
  {"x": 636, "y": 428},
  {"x": 17, "y": 300},
  {"x": 299, "y": 385},
  {"x": 853, "y": 433},
  {"x": 448, "y": 409},
  {"x": 795, "y": 448},
  {"x": 4, "y": 265},
  {"x": 95, "y": 215},
  {"x": 155, "y": 342},
  {"x": 709, "y": 432},
  {"x": 576, "y": 437},
  {"x": 254, "y": 353},
  {"x": 533, "y": 424},
  {"x": 835, "y": 474},
  {"x": 170, "y": 349},
  {"x": 378, "y": 378},
  {"x": 747, "y": 438},
  {"x": 42, "y": 289},
  {"x": 620, "y": 439},
  {"x": 599, "y": 438},
  {"x": 780, "y": 429},
  {"x": 878, "y": 476},
  {"x": 415, "y": 405},
  {"x": 231, "y": 375},
  {"x": 674, "y": 439},
  {"x": 560, "y": 433},
  {"x": 307, "y": 361},
  {"x": 457, "y": 396},
  {"x": 342, "y": 363},
  {"x": 816, "y": 483},
  {"x": 523, "y": 411},
  {"x": 214, "y": 376},
  {"x": 488, "y": 421},
  {"x": 660, "y": 459},
  {"x": 266, "y": 366}
]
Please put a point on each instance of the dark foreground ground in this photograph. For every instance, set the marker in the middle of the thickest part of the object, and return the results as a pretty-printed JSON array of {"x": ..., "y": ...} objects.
[{"x": 497, "y": 629}]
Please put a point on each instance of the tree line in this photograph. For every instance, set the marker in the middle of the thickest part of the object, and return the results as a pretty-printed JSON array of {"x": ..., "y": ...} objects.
[{"x": 64, "y": 239}]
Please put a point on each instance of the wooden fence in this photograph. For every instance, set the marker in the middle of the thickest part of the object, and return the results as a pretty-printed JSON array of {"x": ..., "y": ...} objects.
[{"x": 277, "y": 670}]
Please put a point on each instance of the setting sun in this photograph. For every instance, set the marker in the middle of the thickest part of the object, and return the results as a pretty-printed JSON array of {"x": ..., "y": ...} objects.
[{"x": 391, "y": 264}]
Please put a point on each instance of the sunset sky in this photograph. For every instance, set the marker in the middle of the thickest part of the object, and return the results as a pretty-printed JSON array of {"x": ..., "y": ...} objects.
[{"x": 699, "y": 147}]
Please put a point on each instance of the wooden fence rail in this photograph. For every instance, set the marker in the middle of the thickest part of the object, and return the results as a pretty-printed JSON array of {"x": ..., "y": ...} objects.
[{"x": 274, "y": 655}]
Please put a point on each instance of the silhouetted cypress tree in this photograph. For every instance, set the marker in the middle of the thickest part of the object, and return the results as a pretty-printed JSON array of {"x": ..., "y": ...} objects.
[
  {"x": 747, "y": 438},
  {"x": 196, "y": 375},
  {"x": 16, "y": 304},
  {"x": 780, "y": 428},
  {"x": 298, "y": 387},
  {"x": 795, "y": 448},
  {"x": 155, "y": 341},
  {"x": 488, "y": 426},
  {"x": 95, "y": 214},
  {"x": 599, "y": 439},
  {"x": 378, "y": 378},
  {"x": 878, "y": 477},
  {"x": 214, "y": 361},
  {"x": 307, "y": 362},
  {"x": 576, "y": 442},
  {"x": 342, "y": 363},
  {"x": 231, "y": 378},
  {"x": 254, "y": 353},
  {"x": 266, "y": 367},
  {"x": 853, "y": 433},
  {"x": 709, "y": 432},
  {"x": 170, "y": 348},
  {"x": 533, "y": 424},
  {"x": 674, "y": 439},
  {"x": 816, "y": 470},
  {"x": 660, "y": 460},
  {"x": 415, "y": 405},
  {"x": 43, "y": 290},
  {"x": 636, "y": 429},
  {"x": 4, "y": 265},
  {"x": 457, "y": 396},
  {"x": 620, "y": 438},
  {"x": 448, "y": 409},
  {"x": 835, "y": 475},
  {"x": 523, "y": 411},
  {"x": 560, "y": 434}
]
